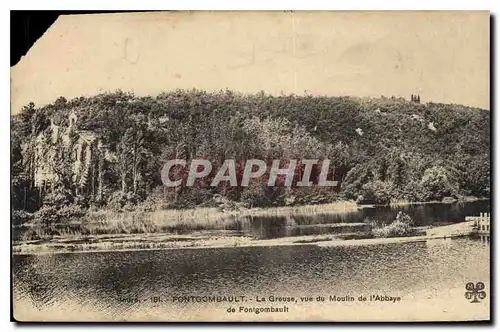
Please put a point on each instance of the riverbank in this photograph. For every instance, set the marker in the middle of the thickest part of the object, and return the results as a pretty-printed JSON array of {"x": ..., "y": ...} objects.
[
  {"x": 465, "y": 199},
  {"x": 106, "y": 222},
  {"x": 220, "y": 239},
  {"x": 139, "y": 221}
]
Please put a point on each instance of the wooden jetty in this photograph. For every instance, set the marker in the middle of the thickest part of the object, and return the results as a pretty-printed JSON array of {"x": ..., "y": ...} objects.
[{"x": 482, "y": 223}]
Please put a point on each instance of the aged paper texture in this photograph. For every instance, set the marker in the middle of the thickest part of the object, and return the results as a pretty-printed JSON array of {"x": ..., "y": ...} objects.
[{"x": 253, "y": 166}]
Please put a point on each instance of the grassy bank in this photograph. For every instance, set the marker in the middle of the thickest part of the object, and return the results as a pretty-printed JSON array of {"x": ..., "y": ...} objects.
[
  {"x": 463, "y": 199},
  {"x": 212, "y": 227},
  {"x": 168, "y": 221}
]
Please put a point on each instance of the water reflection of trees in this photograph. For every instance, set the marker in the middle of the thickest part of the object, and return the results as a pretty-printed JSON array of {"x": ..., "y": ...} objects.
[{"x": 268, "y": 227}]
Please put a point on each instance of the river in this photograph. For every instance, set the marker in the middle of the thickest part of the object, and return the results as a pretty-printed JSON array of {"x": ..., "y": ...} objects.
[
  {"x": 430, "y": 214},
  {"x": 428, "y": 278}
]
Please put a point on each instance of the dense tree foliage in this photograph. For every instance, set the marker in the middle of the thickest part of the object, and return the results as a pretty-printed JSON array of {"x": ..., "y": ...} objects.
[{"x": 383, "y": 149}]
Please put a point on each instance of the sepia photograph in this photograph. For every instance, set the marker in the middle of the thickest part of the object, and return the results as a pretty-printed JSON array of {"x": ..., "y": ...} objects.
[{"x": 253, "y": 166}]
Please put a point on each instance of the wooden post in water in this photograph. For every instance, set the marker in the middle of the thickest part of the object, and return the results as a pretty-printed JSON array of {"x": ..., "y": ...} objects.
[{"x": 484, "y": 223}]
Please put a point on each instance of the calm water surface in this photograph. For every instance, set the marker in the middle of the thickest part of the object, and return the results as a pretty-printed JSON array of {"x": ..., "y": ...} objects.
[
  {"x": 423, "y": 214},
  {"x": 125, "y": 282},
  {"x": 121, "y": 284}
]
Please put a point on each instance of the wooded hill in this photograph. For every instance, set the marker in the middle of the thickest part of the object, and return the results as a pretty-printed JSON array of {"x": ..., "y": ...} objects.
[{"x": 384, "y": 149}]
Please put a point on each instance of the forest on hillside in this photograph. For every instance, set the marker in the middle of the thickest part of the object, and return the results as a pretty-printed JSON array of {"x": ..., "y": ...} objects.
[{"x": 383, "y": 149}]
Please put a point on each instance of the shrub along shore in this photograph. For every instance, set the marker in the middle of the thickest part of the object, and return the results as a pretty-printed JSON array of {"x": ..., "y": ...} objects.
[
  {"x": 199, "y": 240},
  {"x": 106, "y": 222},
  {"x": 187, "y": 229}
]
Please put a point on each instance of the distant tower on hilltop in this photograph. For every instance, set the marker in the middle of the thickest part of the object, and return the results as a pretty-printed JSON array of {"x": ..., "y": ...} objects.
[{"x": 415, "y": 98}]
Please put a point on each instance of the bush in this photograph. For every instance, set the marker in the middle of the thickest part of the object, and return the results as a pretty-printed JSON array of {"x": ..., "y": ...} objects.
[
  {"x": 401, "y": 226},
  {"x": 309, "y": 196},
  {"x": 68, "y": 212},
  {"x": 373, "y": 223},
  {"x": 20, "y": 217},
  {"x": 47, "y": 215},
  {"x": 395, "y": 229},
  {"x": 119, "y": 201},
  {"x": 377, "y": 192},
  {"x": 437, "y": 183},
  {"x": 51, "y": 214},
  {"x": 255, "y": 196},
  {"x": 413, "y": 192},
  {"x": 404, "y": 218},
  {"x": 58, "y": 197}
]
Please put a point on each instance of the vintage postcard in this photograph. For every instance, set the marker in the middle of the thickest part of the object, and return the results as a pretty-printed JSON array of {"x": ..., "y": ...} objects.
[{"x": 280, "y": 166}]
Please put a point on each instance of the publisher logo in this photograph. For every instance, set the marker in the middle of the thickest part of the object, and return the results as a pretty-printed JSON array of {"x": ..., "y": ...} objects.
[{"x": 475, "y": 292}]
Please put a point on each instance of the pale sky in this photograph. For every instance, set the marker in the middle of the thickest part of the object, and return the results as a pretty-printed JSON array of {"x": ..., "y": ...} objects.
[{"x": 443, "y": 56}]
